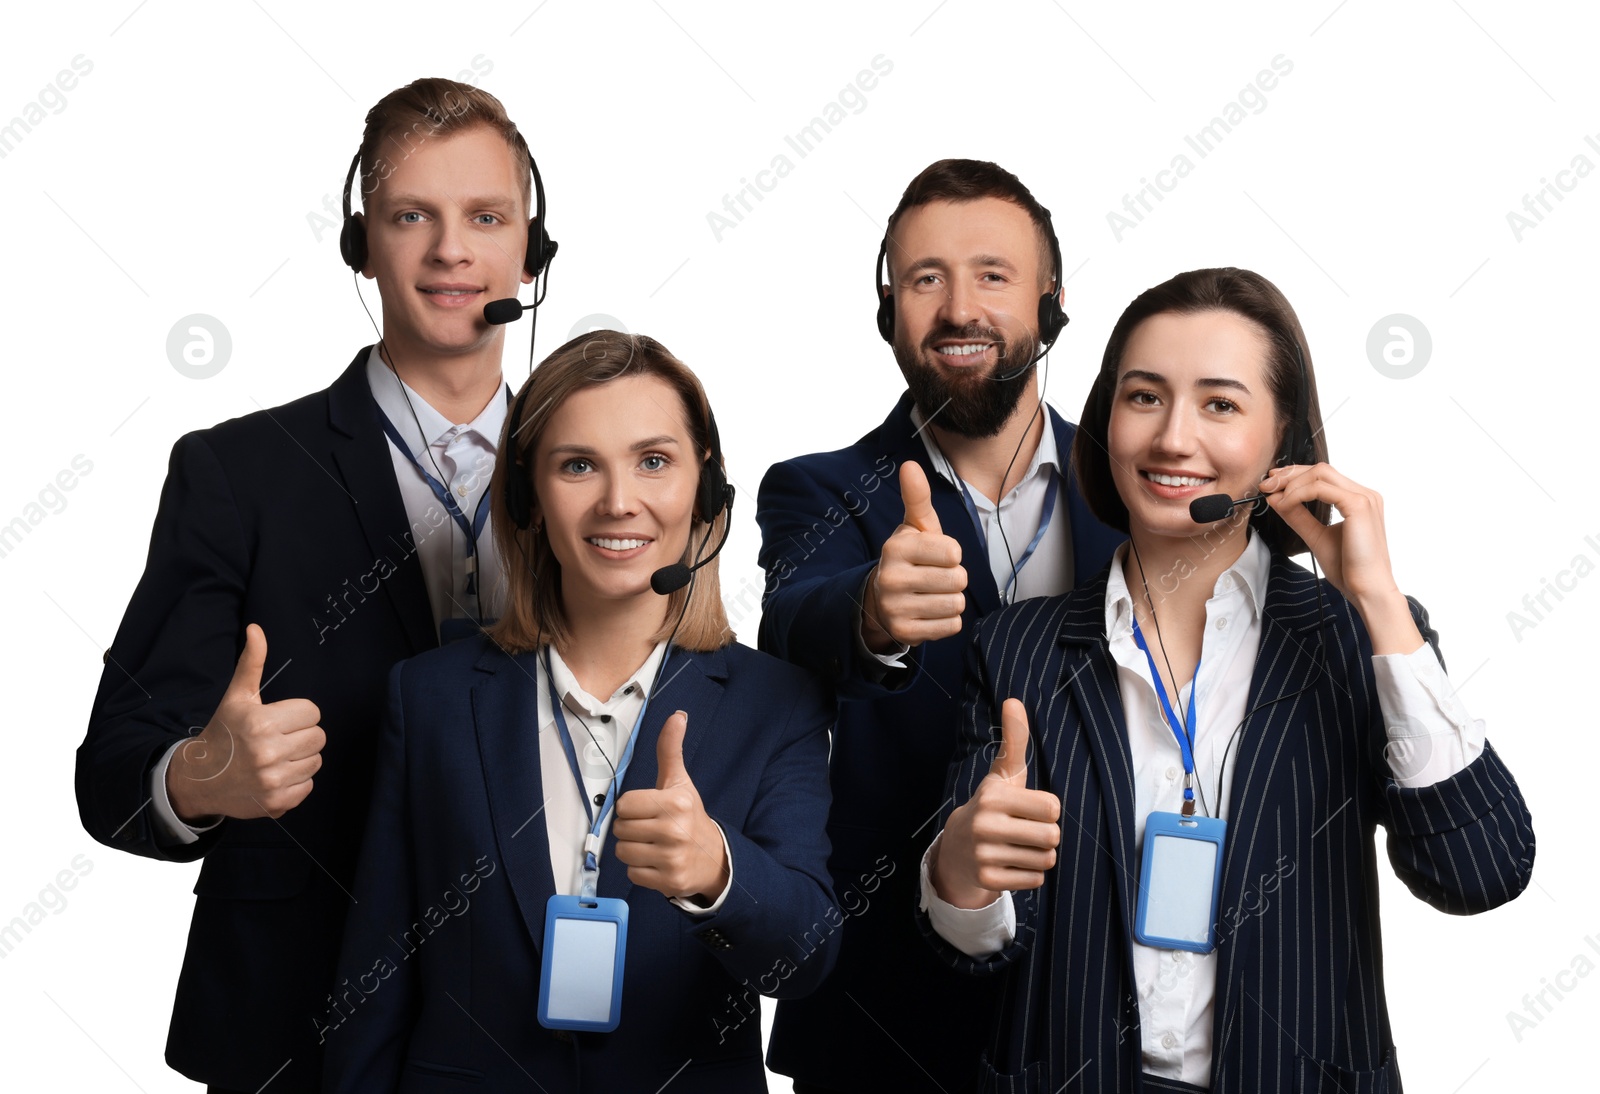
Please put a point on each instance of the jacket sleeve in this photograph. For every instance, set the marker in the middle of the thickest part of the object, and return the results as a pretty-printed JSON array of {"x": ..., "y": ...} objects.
[
  {"x": 1466, "y": 844},
  {"x": 975, "y": 752},
  {"x": 172, "y": 656},
  {"x": 817, "y": 560},
  {"x": 778, "y": 927},
  {"x": 365, "y": 1049}
]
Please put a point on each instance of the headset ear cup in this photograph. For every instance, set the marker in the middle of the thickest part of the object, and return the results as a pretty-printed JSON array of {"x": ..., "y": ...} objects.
[
  {"x": 712, "y": 495},
  {"x": 539, "y": 247},
  {"x": 519, "y": 500},
  {"x": 1052, "y": 319},
  {"x": 353, "y": 243},
  {"x": 886, "y": 317}
]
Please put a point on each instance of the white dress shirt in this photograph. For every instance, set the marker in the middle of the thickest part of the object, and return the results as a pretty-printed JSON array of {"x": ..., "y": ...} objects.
[
  {"x": 600, "y": 731},
  {"x": 1177, "y": 989},
  {"x": 465, "y": 454},
  {"x": 1049, "y": 570}
]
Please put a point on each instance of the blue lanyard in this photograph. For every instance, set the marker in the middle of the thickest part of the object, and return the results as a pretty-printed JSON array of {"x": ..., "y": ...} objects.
[
  {"x": 1185, "y": 735},
  {"x": 442, "y": 492},
  {"x": 592, "y": 842},
  {"x": 1045, "y": 517}
]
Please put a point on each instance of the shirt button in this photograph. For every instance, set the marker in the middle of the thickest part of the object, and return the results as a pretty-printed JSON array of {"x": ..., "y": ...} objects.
[
  {"x": 462, "y": 490},
  {"x": 628, "y": 690},
  {"x": 1172, "y": 774},
  {"x": 605, "y": 717},
  {"x": 1168, "y": 1041},
  {"x": 1222, "y": 624}
]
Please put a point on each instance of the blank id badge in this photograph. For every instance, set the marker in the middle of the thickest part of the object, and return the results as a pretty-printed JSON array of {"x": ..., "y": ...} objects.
[
  {"x": 585, "y": 944},
  {"x": 1179, "y": 882}
]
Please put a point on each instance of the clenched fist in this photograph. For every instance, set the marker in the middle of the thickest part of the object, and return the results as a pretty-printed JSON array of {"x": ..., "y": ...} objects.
[
  {"x": 1005, "y": 837},
  {"x": 915, "y": 593},
  {"x": 664, "y": 835},
  {"x": 253, "y": 759}
]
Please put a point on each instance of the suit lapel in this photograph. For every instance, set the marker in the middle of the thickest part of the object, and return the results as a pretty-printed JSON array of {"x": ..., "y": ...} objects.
[
  {"x": 361, "y": 454},
  {"x": 693, "y": 683},
  {"x": 1289, "y": 662},
  {"x": 1087, "y": 668},
  {"x": 505, "y": 706}
]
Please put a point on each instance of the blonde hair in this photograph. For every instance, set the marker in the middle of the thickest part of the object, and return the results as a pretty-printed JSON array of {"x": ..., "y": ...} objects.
[{"x": 533, "y": 612}]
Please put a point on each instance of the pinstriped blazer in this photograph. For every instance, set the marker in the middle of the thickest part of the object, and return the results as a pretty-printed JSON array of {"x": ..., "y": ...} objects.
[{"x": 1299, "y": 999}]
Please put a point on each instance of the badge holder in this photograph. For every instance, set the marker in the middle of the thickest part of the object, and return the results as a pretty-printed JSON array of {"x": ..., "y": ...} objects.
[
  {"x": 1180, "y": 882},
  {"x": 585, "y": 948}
]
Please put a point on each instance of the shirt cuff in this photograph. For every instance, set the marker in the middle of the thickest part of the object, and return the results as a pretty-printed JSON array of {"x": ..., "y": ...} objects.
[
  {"x": 877, "y": 664},
  {"x": 169, "y": 827},
  {"x": 1431, "y": 736},
  {"x": 693, "y": 907},
  {"x": 976, "y": 932}
]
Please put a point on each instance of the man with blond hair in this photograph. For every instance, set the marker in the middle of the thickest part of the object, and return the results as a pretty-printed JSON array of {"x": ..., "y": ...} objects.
[{"x": 297, "y": 554}]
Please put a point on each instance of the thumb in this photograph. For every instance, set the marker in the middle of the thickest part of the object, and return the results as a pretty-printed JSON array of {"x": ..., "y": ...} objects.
[
  {"x": 670, "y": 771},
  {"x": 918, "y": 498},
  {"x": 1011, "y": 762},
  {"x": 246, "y": 682}
]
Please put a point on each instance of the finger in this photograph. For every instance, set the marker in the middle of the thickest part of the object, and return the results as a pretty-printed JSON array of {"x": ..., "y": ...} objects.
[
  {"x": 670, "y": 771},
  {"x": 636, "y": 805},
  {"x": 289, "y": 715},
  {"x": 300, "y": 771},
  {"x": 1011, "y": 762},
  {"x": 246, "y": 683},
  {"x": 1029, "y": 807},
  {"x": 918, "y": 498},
  {"x": 1005, "y": 879},
  {"x": 930, "y": 550},
  {"x": 917, "y": 606},
  {"x": 303, "y": 743}
]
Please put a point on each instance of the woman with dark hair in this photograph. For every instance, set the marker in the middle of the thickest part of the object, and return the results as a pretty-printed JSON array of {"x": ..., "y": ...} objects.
[
  {"x": 1187, "y": 899},
  {"x": 598, "y": 830}
]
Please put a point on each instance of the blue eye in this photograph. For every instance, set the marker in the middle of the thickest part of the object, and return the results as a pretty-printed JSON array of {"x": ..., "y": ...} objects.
[
  {"x": 487, "y": 218},
  {"x": 576, "y": 466},
  {"x": 654, "y": 462},
  {"x": 403, "y": 217}
]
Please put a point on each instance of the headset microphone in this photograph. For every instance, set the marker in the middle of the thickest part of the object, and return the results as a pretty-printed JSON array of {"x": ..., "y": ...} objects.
[
  {"x": 509, "y": 310},
  {"x": 1214, "y": 507},
  {"x": 669, "y": 579}
]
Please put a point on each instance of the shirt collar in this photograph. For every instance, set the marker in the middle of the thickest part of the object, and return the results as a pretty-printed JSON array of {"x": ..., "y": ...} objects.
[
  {"x": 1047, "y": 455},
  {"x": 386, "y": 388},
  {"x": 636, "y": 688},
  {"x": 1248, "y": 575}
]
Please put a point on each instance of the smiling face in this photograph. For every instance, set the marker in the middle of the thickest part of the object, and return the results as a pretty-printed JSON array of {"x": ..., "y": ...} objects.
[
  {"x": 615, "y": 478},
  {"x": 966, "y": 278},
  {"x": 1192, "y": 415},
  {"x": 447, "y": 229}
]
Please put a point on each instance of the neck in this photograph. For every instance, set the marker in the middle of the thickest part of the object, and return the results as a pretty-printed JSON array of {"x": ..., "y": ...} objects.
[
  {"x": 610, "y": 639},
  {"x": 458, "y": 386},
  {"x": 995, "y": 465},
  {"x": 1180, "y": 574}
]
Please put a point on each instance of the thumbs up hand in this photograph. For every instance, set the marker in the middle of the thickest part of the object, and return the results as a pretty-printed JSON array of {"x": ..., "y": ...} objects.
[
  {"x": 1005, "y": 837},
  {"x": 664, "y": 835},
  {"x": 915, "y": 593},
  {"x": 252, "y": 759}
]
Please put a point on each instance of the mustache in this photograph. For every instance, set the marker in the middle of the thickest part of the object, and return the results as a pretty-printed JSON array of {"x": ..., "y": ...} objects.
[{"x": 972, "y": 332}]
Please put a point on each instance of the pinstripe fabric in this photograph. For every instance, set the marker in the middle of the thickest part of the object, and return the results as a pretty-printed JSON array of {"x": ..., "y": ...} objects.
[{"x": 1300, "y": 1001}]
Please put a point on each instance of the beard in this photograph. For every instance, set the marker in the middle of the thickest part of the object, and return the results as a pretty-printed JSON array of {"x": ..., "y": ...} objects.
[{"x": 969, "y": 403}]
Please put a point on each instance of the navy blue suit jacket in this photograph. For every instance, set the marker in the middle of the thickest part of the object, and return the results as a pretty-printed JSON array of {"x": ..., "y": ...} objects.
[
  {"x": 290, "y": 518},
  {"x": 891, "y": 1013},
  {"x": 440, "y": 968},
  {"x": 1299, "y": 998}
]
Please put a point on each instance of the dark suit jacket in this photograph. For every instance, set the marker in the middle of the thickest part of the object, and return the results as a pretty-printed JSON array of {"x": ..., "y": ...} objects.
[
  {"x": 290, "y": 518},
  {"x": 458, "y": 799},
  {"x": 891, "y": 1015},
  {"x": 1299, "y": 996}
]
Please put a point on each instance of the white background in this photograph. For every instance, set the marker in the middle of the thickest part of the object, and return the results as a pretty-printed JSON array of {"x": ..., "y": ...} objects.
[{"x": 1377, "y": 179}]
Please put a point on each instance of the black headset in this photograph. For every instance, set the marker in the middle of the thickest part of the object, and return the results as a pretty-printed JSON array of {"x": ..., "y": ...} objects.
[
  {"x": 713, "y": 494},
  {"x": 541, "y": 248},
  {"x": 1052, "y": 318}
]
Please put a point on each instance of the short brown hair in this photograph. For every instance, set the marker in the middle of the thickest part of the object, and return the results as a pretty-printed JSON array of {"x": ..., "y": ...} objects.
[
  {"x": 533, "y": 612},
  {"x": 1244, "y": 293},
  {"x": 968, "y": 180},
  {"x": 434, "y": 107}
]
